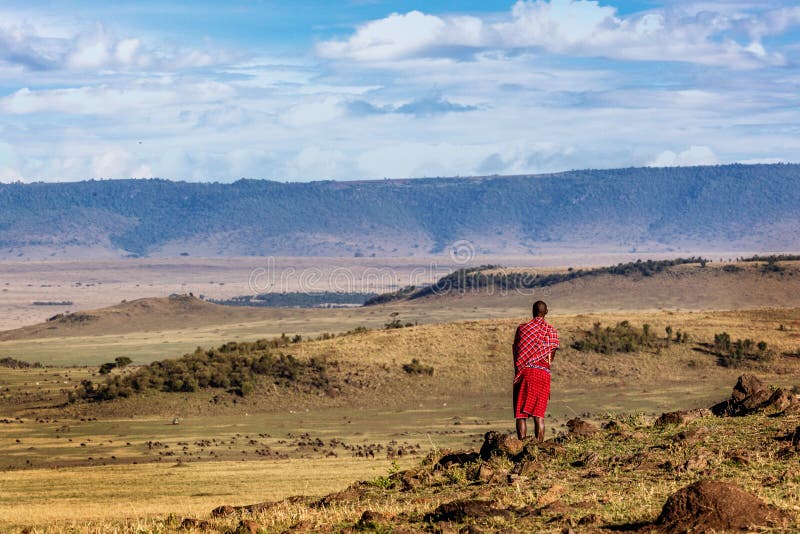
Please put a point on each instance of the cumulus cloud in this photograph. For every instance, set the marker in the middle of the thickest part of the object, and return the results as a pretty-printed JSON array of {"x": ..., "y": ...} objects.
[
  {"x": 694, "y": 155},
  {"x": 35, "y": 46},
  {"x": 574, "y": 27}
]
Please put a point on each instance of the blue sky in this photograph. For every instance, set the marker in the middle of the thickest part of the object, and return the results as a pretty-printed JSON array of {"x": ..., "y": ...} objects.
[{"x": 308, "y": 89}]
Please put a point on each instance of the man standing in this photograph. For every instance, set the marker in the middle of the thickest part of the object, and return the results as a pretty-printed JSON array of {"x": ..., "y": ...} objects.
[{"x": 534, "y": 348}]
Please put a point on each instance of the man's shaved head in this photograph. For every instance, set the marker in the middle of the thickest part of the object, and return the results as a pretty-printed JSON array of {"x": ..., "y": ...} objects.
[{"x": 539, "y": 308}]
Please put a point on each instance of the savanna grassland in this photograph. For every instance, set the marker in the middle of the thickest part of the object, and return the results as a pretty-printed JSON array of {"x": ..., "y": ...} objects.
[{"x": 144, "y": 461}]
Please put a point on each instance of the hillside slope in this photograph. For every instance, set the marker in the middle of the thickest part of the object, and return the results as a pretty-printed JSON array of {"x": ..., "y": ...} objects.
[
  {"x": 195, "y": 322},
  {"x": 733, "y": 207}
]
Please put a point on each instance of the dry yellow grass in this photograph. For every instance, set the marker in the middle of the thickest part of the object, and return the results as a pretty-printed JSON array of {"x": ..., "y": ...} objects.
[{"x": 48, "y": 496}]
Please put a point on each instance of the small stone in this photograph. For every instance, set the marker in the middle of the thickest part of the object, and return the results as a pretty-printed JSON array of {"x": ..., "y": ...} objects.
[
  {"x": 485, "y": 473},
  {"x": 248, "y": 526},
  {"x": 223, "y": 511}
]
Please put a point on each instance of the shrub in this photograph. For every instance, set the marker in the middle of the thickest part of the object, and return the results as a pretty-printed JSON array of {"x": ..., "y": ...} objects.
[
  {"x": 417, "y": 368},
  {"x": 735, "y": 353},
  {"x": 732, "y": 269},
  {"x": 620, "y": 338},
  {"x": 236, "y": 367}
]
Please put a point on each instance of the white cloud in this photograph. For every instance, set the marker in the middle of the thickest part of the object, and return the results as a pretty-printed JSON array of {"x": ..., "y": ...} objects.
[
  {"x": 40, "y": 44},
  {"x": 105, "y": 100},
  {"x": 403, "y": 35},
  {"x": 573, "y": 27},
  {"x": 694, "y": 155},
  {"x": 312, "y": 112},
  {"x": 316, "y": 163},
  {"x": 117, "y": 163}
]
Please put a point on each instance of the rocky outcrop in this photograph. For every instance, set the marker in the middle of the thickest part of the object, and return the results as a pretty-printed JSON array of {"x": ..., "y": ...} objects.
[{"x": 750, "y": 395}]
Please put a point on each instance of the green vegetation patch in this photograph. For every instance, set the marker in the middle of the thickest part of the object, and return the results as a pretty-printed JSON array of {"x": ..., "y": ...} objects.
[
  {"x": 487, "y": 277},
  {"x": 732, "y": 353},
  {"x": 625, "y": 337},
  {"x": 13, "y": 363},
  {"x": 235, "y": 367}
]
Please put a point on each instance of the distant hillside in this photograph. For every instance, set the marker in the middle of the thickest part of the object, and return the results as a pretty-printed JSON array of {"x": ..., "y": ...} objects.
[
  {"x": 141, "y": 315},
  {"x": 731, "y": 207}
]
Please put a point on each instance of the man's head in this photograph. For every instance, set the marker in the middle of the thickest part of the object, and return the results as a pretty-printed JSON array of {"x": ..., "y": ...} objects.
[{"x": 539, "y": 308}]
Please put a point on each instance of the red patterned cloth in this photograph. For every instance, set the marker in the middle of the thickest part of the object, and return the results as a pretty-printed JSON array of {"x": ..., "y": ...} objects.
[
  {"x": 534, "y": 344},
  {"x": 531, "y": 394}
]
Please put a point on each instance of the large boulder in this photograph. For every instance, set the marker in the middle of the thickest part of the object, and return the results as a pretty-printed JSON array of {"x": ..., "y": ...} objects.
[{"x": 709, "y": 505}]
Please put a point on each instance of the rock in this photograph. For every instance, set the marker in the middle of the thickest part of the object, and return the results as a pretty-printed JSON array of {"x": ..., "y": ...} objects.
[
  {"x": 588, "y": 459},
  {"x": 471, "y": 529},
  {"x": 555, "y": 508},
  {"x": 247, "y": 526},
  {"x": 457, "y": 458},
  {"x": 591, "y": 519},
  {"x": 410, "y": 480},
  {"x": 500, "y": 476},
  {"x": 779, "y": 401},
  {"x": 462, "y": 509},
  {"x": 190, "y": 523},
  {"x": 371, "y": 520},
  {"x": 612, "y": 426},
  {"x": 551, "y": 495},
  {"x": 223, "y": 511},
  {"x": 485, "y": 473},
  {"x": 445, "y": 528},
  {"x": 749, "y": 396},
  {"x": 711, "y": 505},
  {"x": 695, "y": 463},
  {"x": 747, "y": 386},
  {"x": 691, "y": 436},
  {"x": 527, "y": 468},
  {"x": 532, "y": 448},
  {"x": 680, "y": 417},
  {"x": 580, "y": 428},
  {"x": 352, "y": 493},
  {"x": 796, "y": 439},
  {"x": 496, "y": 444}
]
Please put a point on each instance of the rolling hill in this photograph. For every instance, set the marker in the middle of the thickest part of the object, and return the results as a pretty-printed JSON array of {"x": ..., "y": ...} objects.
[{"x": 731, "y": 207}]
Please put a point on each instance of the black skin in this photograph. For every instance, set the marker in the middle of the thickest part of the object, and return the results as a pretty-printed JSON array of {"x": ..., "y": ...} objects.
[{"x": 539, "y": 310}]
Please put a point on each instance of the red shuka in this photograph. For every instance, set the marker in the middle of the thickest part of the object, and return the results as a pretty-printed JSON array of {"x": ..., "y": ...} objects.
[{"x": 534, "y": 344}]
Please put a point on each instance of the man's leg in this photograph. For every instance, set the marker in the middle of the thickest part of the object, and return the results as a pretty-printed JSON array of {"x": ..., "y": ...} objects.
[
  {"x": 522, "y": 428},
  {"x": 538, "y": 423}
]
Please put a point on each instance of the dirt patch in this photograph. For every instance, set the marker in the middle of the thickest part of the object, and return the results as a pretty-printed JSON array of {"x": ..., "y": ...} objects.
[{"x": 711, "y": 505}]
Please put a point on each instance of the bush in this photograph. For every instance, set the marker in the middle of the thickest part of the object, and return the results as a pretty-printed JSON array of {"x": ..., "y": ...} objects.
[
  {"x": 417, "y": 368},
  {"x": 620, "y": 338},
  {"x": 732, "y": 269},
  {"x": 236, "y": 367},
  {"x": 735, "y": 353}
]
